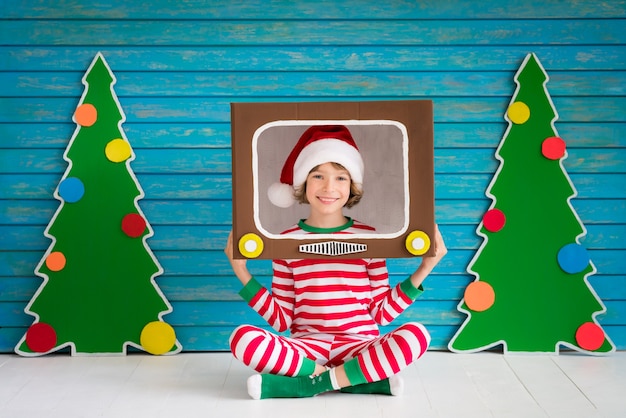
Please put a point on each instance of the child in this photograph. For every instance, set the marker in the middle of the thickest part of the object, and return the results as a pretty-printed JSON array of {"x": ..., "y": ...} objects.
[{"x": 331, "y": 307}]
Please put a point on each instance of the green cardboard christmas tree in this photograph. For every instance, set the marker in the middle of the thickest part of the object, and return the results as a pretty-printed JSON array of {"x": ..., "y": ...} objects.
[
  {"x": 531, "y": 292},
  {"x": 99, "y": 294}
]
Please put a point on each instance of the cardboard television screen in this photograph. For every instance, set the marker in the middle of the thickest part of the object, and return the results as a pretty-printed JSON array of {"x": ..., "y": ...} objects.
[{"x": 395, "y": 141}]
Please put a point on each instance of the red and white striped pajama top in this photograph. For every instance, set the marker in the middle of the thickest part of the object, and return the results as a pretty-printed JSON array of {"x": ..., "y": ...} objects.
[{"x": 332, "y": 309}]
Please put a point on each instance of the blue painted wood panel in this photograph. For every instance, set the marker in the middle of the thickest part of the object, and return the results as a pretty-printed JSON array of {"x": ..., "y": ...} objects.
[
  {"x": 313, "y": 9},
  {"x": 180, "y": 64},
  {"x": 311, "y": 32},
  {"x": 317, "y": 58},
  {"x": 308, "y": 83}
]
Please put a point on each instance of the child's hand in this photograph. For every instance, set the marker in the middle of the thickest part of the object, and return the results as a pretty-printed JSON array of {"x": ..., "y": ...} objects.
[
  {"x": 440, "y": 250},
  {"x": 429, "y": 263},
  {"x": 239, "y": 266}
]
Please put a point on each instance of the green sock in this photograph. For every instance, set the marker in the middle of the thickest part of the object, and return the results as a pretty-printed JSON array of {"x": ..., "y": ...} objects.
[
  {"x": 274, "y": 386},
  {"x": 307, "y": 368},
  {"x": 381, "y": 387},
  {"x": 354, "y": 373},
  {"x": 392, "y": 386}
]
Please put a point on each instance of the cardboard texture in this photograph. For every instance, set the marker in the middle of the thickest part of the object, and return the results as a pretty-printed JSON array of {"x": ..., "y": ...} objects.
[{"x": 395, "y": 139}]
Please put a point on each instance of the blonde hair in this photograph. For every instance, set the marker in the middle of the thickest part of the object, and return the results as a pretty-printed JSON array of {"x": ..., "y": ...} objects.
[{"x": 355, "y": 192}]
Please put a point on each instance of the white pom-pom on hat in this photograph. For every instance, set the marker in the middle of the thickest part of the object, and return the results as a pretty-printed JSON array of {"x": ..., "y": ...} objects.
[
  {"x": 318, "y": 145},
  {"x": 281, "y": 195}
]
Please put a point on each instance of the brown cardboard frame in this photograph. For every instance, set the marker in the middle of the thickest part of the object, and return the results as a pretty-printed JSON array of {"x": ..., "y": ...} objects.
[{"x": 413, "y": 119}]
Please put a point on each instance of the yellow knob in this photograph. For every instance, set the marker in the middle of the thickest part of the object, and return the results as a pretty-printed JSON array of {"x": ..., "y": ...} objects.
[
  {"x": 417, "y": 243},
  {"x": 251, "y": 245}
]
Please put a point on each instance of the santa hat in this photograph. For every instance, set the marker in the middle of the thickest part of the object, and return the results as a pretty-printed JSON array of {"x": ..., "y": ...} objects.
[{"x": 318, "y": 145}]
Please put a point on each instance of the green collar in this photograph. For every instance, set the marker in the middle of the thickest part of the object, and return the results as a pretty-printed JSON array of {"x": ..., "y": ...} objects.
[{"x": 308, "y": 228}]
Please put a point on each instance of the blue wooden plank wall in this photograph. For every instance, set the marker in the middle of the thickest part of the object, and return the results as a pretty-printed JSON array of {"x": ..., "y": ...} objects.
[{"x": 180, "y": 63}]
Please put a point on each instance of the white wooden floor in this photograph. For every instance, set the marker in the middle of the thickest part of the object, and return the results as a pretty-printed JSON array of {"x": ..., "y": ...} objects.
[{"x": 441, "y": 384}]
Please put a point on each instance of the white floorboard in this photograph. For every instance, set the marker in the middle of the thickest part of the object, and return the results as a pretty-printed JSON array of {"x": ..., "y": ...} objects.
[{"x": 191, "y": 385}]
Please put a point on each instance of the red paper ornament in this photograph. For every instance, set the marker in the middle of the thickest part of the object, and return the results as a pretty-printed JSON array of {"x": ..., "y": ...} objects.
[
  {"x": 494, "y": 220},
  {"x": 133, "y": 225},
  {"x": 553, "y": 148},
  {"x": 41, "y": 337},
  {"x": 589, "y": 336}
]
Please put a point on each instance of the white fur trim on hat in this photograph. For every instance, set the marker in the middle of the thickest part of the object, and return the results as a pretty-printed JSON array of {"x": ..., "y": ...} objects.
[{"x": 328, "y": 150}]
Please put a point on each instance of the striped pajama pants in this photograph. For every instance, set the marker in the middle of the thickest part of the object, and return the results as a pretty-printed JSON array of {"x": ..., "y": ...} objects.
[{"x": 379, "y": 357}]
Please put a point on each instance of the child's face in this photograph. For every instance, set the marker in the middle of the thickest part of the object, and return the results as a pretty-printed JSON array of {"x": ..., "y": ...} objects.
[{"x": 328, "y": 189}]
